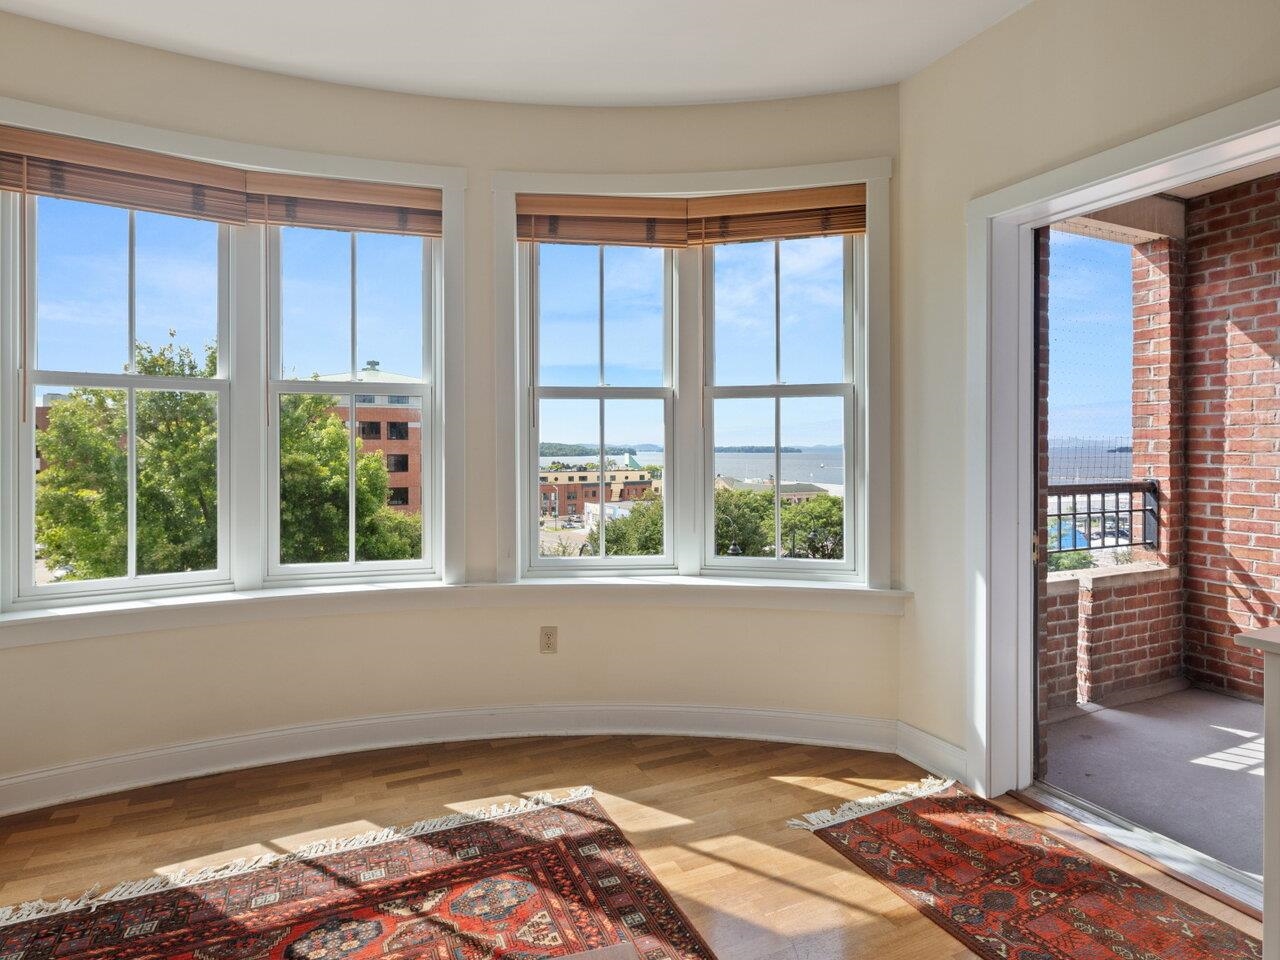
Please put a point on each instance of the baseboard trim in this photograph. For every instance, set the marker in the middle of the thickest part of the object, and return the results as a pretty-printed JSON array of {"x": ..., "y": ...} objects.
[
  {"x": 89, "y": 778},
  {"x": 932, "y": 753}
]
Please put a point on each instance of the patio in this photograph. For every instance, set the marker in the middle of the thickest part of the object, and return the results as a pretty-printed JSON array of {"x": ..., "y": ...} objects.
[{"x": 1186, "y": 764}]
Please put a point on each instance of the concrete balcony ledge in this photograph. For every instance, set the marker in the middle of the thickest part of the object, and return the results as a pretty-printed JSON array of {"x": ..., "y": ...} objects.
[{"x": 1122, "y": 575}]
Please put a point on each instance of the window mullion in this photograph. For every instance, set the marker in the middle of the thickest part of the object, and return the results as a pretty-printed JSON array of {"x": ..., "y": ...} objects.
[
  {"x": 600, "y": 514},
  {"x": 777, "y": 478},
  {"x": 131, "y": 427},
  {"x": 131, "y": 485},
  {"x": 133, "y": 292}
]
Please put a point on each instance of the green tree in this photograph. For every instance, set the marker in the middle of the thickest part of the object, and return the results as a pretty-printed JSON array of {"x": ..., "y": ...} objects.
[
  {"x": 814, "y": 529},
  {"x": 314, "y": 483},
  {"x": 636, "y": 534},
  {"x": 82, "y": 489},
  {"x": 744, "y": 522}
]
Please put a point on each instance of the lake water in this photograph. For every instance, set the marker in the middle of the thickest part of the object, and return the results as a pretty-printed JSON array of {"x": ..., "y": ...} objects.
[{"x": 825, "y": 467}]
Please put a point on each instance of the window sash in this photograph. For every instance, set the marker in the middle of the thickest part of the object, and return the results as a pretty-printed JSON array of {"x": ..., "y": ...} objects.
[
  {"x": 31, "y": 378},
  {"x": 424, "y": 391},
  {"x": 853, "y": 564},
  {"x": 536, "y": 564}
]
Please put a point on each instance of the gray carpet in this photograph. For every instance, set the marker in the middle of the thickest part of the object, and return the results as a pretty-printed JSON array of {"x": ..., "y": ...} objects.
[{"x": 1187, "y": 765}]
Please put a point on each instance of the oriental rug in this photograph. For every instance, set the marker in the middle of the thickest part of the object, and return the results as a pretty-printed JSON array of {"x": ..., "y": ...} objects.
[
  {"x": 542, "y": 878},
  {"x": 1010, "y": 891}
]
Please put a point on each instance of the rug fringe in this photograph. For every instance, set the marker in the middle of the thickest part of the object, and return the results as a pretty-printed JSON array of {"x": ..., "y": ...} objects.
[
  {"x": 862, "y": 806},
  {"x": 91, "y": 899}
]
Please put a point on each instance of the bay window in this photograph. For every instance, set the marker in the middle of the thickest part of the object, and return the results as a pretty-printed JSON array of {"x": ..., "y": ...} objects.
[
  {"x": 768, "y": 470},
  {"x": 119, "y": 304}
]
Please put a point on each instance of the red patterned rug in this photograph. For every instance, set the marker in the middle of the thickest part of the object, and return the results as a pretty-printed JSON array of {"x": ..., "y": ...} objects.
[
  {"x": 543, "y": 878},
  {"x": 1010, "y": 891}
]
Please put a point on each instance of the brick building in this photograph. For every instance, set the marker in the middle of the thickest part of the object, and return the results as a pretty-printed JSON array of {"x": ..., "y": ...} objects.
[
  {"x": 391, "y": 424},
  {"x": 566, "y": 492}
]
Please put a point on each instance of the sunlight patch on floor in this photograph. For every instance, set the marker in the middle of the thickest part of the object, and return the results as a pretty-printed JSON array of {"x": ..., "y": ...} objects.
[{"x": 1247, "y": 757}]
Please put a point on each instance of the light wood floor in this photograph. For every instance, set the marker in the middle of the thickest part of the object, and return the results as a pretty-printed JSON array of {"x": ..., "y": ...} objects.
[{"x": 708, "y": 816}]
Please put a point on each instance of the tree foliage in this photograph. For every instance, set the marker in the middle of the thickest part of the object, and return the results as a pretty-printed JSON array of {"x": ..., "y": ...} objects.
[
  {"x": 1071, "y": 560},
  {"x": 814, "y": 528},
  {"x": 635, "y": 534},
  {"x": 82, "y": 488},
  {"x": 314, "y": 486},
  {"x": 744, "y": 525}
]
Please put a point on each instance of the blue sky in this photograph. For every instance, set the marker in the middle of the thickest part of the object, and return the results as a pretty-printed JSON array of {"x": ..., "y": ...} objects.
[
  {"x": 82, "y": 284},
  {"x": 83, "y": 293},
  {"x": 811, "y": 303},
  {"x": 1090, "y": 337},
  {"x": 82, "y": 312}
]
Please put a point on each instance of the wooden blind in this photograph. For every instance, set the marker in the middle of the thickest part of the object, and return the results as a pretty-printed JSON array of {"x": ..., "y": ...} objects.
[
  {"x": 343, "y": 204},
  {"x": 678, "y": 222},
  {"x": 778, "y": 215},
  {"x": 76, "y": 169},
  {"x": 622, "y": 221}
]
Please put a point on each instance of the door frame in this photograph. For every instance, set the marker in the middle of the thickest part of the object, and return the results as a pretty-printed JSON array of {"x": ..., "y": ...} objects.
[{"x": 1000, "y": 402}]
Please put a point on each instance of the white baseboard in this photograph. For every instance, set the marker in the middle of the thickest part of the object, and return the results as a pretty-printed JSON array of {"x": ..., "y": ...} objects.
[
  {"x": 72, "y": 781},
  {"x": 932, "y": 753}
]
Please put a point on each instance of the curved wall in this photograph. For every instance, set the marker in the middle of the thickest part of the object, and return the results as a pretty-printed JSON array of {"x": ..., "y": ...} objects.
[{"x": 77, "y": 700}]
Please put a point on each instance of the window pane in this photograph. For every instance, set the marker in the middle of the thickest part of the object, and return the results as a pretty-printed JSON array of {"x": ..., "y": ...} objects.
[
  {"x": 745, "y": 310},
  {"x": 177, "y": 486},
  {"x": 745, "y": 468},
  {"x": 568, "y": 315},
  {"x": 314, "y": 482},
  {"x": 634, "y": 434},
  {"x": 569, "y": 457},
  {"x": 813, "y": 477},
  {"x": 82, "y": 463},
  {"x": 634, "y": 316},
  {"x": 82, "y": 286},
  {"x": 811, "y": 297},
  {"x": 389, "y": 306},
  {"x": 176, "y": 262},
  {"x": 315, "y": 304},
  {"x": 389, "y": 514}
]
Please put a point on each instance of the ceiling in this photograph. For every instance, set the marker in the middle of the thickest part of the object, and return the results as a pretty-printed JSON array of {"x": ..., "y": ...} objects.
[
  {"x": 1253, "y": 171},
  {"x": 585, "y": 52}
]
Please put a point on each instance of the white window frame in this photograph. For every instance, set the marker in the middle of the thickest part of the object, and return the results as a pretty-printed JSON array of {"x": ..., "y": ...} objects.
[
  {"x": 586, "y": 565},
  {"x": 244, "y": 448},
  {"x": 424, "y": 391},
  {"x": 847, "y": 389},
  {"x": 684, "y": 492},
  {"x": 132, "y": 583}
]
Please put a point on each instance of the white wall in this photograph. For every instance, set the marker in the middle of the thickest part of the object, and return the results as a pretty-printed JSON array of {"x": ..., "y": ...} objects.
[
  {"x": 1057, "y": 81},
  {"x": 89, "y": 698}
]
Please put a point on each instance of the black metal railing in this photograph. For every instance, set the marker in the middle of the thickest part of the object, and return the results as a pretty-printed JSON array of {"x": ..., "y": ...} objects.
[{"x": 1103, "y": 516}]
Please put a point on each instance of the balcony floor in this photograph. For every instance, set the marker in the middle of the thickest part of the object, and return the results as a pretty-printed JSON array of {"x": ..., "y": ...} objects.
[{"x": 1187, "y": 765}]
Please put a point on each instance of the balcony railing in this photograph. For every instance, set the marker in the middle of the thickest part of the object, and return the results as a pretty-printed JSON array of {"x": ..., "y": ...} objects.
[{"x": 1103, "y": 516}]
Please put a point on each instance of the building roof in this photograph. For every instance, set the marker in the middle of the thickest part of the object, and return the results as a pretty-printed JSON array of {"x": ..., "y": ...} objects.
[{"x": 733, "y": 483}]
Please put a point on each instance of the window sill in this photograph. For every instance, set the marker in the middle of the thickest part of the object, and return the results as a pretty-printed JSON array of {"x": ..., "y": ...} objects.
[{"x": 30, "y": 627}]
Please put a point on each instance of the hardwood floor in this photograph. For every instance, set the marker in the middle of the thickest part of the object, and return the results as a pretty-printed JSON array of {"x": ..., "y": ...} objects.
[{"x": 709, "y": 816}]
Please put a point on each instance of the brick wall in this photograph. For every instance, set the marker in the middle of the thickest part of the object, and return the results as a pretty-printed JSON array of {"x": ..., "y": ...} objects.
[
  {"x": 1157, "y": 398},
  {"x": 1233, "y": 430},
  {"x": 1059, "y": 643},
  {"x": 1130, "y": 632}
]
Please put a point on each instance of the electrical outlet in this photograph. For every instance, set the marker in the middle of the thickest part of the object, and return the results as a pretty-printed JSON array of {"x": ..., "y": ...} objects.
[{"x": 548, "y": 639}]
